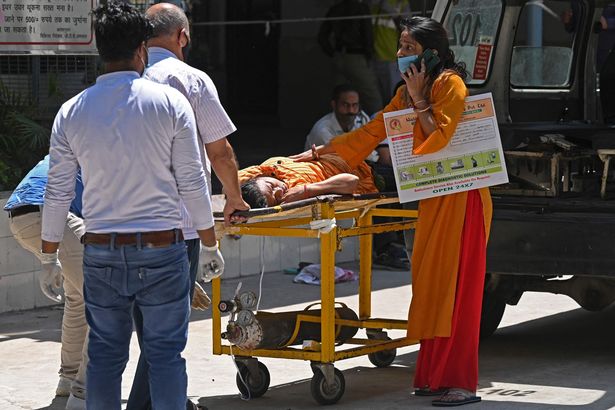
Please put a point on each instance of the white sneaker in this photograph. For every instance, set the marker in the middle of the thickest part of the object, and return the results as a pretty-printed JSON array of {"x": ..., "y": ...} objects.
[
  {"x": 63, "y": 389},
  {"x": 75, "y": 403}
]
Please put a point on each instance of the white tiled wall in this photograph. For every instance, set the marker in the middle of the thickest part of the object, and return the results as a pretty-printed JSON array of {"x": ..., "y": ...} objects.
[
  {"x": 19, "y": 288},
  {"x": 243, "y": 255},
  {"x": 19, "y": 269}
]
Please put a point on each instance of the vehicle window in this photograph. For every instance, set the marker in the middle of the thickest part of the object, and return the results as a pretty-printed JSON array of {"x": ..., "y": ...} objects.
[
  {"x": 472, "y": 26},
  {"x": 542, "y": 51}
]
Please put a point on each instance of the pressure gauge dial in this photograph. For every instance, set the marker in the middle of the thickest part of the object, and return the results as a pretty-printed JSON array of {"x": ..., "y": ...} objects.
[
  {"x": 248, "y": 300},
  {"x": 245, "y": 318}
]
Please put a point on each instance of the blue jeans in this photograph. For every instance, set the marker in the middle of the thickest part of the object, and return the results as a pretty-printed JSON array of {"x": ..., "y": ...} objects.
[
  {"x": 139, "y": 398},
  {"x": 156, "y": 280}
]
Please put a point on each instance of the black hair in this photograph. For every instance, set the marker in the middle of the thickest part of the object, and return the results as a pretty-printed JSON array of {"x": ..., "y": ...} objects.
[
  {"x": 430, "y": 34},
  {"x": 167, "y": 21},
  {"x": 253, "y": 195},
  {"x": 120, "y": 29},
  {"x": 341, "y": 89}
]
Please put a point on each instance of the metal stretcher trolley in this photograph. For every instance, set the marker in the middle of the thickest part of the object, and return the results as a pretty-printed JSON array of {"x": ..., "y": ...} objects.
[{"x": 273, "y": 334}]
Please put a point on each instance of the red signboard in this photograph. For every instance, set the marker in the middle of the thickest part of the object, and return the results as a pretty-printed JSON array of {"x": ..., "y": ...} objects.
[{"x": 481, "y": 63}]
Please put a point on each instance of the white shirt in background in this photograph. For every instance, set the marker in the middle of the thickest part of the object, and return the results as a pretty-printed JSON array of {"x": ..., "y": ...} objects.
[
  {"x": 328, "y": 127},
  {"x": 213, "y": 123}
]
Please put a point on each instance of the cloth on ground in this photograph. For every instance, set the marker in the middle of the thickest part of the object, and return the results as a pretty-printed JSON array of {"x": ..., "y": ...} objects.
[{"x": 311, "y": 275}]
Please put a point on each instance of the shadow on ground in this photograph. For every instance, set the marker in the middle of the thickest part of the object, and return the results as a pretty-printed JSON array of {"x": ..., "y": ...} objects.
[
  {"x": 560, "y": 361},
  {"x": 45, "y": 324},
  {"x": 58, "y": 403}
]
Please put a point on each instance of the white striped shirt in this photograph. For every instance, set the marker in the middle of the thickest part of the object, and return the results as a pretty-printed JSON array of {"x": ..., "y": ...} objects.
[
  {"x": 136, "y": 144},
  {"x": 213, "y": 123}
]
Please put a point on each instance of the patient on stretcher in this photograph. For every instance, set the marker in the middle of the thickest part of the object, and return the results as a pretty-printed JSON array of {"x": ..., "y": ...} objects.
[{"x": 281, "y": 180}]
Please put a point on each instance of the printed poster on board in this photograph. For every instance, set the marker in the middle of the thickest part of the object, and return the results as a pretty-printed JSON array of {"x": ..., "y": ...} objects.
[
  {"x": 47, "y": 27},
  {"x": 473, "y": 158}
]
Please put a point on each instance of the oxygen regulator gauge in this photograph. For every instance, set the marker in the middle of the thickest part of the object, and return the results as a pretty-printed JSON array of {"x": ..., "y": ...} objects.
[
  {"x": 245, "y": 318},
  {"x": 227, "y": 306},
  {"x": 248, "y": 300}
]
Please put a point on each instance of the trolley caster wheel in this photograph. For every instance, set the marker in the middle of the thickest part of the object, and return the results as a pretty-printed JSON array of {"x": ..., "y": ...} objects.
[
  {"x": 256, "y": 386},
  {"x": 383, "y": 358},
  {"x": 325, "y": 393}
]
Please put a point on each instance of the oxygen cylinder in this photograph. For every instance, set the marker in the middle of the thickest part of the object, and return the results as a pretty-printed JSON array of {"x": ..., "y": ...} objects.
[{"x": 266, "y": 330}]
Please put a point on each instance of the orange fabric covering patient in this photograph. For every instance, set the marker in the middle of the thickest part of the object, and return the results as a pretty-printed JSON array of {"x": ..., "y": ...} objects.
[{"x": 292, "y": 176}]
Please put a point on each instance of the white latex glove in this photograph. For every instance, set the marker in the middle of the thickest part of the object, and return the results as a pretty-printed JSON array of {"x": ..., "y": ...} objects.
[
  {"x": 76, "y": 225},
  {"x": 200, "y": 300},
  {"x": 50, "y": 277},
  {"x": 211, "y": 263}
]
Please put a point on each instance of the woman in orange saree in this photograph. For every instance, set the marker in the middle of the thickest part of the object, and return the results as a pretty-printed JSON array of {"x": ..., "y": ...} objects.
[{"x": 449, "y": 253}]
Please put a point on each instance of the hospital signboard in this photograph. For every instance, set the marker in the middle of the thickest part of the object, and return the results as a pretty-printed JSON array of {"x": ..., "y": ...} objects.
[
  {"x": 472, "y": 159},
  {"x": 46, "y": 26}
]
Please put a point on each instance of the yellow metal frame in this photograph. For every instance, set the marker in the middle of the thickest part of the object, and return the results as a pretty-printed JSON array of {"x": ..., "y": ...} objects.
[{"x": 330, "y": 243}]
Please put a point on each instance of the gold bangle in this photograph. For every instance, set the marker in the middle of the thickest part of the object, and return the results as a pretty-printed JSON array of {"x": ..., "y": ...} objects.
[
  {"x": 315, "y": 156},
  {"x": 419, "y": 101},
  {"x": 423, "y": 110}
]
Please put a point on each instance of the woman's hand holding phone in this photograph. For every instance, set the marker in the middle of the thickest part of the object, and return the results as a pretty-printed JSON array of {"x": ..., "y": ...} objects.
[
  {"x": 431, "y": 59},
  {"x": 416, "y": 80},
  {"x": 416, "y": 77}
]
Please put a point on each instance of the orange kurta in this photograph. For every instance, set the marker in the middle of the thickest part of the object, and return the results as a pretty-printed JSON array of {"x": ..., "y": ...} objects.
[
  {"x": 300, "y": 173},
  {"x": 435, "y": 257}
]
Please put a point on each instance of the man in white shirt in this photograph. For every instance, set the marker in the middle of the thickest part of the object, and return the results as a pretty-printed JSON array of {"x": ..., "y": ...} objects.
[
  {"x": 171, "y": 36},
  {"x": 166, "y": 47},
  {"x": 346, "y": 115},
  {"x": 135, "y": 142}
]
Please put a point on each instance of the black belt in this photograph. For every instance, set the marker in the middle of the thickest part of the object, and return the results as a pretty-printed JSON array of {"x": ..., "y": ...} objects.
[{"x": 22, "y": 210}]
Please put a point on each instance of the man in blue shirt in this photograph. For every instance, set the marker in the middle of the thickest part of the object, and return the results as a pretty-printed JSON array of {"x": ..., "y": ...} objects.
[{"x": 24, "y": 211}]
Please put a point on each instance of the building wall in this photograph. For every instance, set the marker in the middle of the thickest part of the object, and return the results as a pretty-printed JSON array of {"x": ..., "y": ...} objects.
[
  {"x": 305, "y": 72},
  {"x": 47, "y": 79},
  {"x": 18, "y": 270}
]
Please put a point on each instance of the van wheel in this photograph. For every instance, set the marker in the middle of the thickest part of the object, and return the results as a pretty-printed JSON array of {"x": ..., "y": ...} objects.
[{"x": 492, "y": 311}]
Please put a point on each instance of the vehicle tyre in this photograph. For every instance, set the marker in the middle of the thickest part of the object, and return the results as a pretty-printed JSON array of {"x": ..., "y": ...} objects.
[
  {"x": 492, "y": 311},
  {"x": 325, "y": 393},
  {"x": 253, "y": 389}
]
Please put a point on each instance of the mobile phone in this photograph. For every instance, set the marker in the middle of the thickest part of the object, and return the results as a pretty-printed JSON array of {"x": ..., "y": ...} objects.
[{"x": 431, "y": 60}]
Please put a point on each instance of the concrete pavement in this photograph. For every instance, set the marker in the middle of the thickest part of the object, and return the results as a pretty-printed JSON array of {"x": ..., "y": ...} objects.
[{"x": 548, "y": 354}]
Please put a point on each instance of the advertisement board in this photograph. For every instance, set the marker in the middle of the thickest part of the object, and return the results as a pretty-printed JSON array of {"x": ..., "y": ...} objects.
[{"x": 472, "y": 159}]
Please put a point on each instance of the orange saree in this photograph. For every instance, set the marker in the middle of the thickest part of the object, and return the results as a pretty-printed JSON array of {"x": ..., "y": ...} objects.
[{"x": 436, "y": 256}]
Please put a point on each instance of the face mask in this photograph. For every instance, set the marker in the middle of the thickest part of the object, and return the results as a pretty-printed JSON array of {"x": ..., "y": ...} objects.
[
  {"x": 145, "y": 62},
  {"x": 185, "y": 51},
  {"x": 186, "y": 48},
  {"x": 404, "y": 62}
]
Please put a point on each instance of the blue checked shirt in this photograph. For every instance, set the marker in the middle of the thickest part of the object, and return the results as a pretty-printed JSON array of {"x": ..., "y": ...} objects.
[{"x": 31, "y": 189}]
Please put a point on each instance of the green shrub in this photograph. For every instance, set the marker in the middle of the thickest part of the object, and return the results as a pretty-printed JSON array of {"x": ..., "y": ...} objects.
[{"x": 23, "y": 139}]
